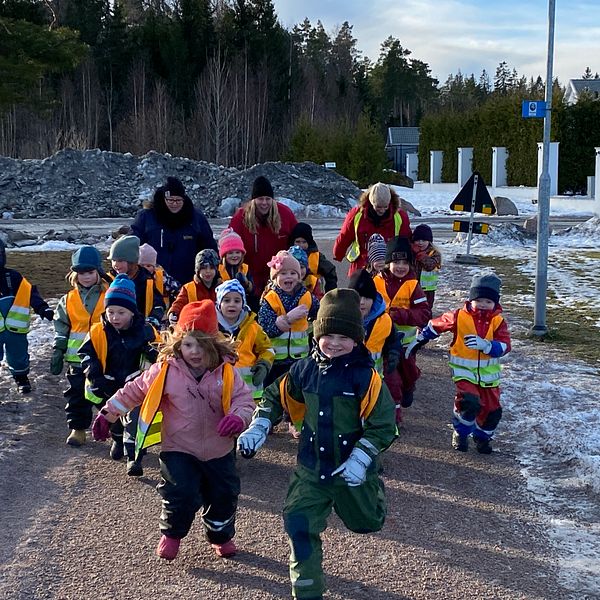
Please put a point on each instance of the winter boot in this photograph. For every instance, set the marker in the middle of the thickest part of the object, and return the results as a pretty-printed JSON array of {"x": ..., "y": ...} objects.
[
  {"x": 116, "y": 450},
  {"x": 460, "y": 442},
  {"x": 168, "y": 547},
  {"x": 23, "y": 383},
  {"x": 134, "y": 468},
  {"x": 483, "y": 445},
  {"x": 226, "y": 550},
  {"x": 76, "y": 438},
  {"x": 407, "y": 398}
]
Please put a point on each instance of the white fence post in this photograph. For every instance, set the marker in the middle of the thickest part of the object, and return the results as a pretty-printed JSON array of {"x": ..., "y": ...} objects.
[
  {"x": 499, "y": 156},
  {"x": 412, "y": 166},
  {"x": 465, "y": 165},
  {"x": 597, "y": 184},
  {"x": 436, "y": 159},
  {"x": 552, "y": 167}
]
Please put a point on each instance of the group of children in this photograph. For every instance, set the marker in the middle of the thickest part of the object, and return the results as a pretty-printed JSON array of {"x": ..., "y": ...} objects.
[{"x": 194, "y": 385}]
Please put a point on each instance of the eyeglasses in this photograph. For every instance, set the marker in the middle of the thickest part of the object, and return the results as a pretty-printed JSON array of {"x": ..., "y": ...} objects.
[{"x": 174, "y": 200}]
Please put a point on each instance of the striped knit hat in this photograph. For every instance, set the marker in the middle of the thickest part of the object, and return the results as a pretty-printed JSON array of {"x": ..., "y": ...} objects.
[
  {"x": 231, "y": 285},
  {"x": 376, "y": 248},
  {"x": 121, "y": 292}
]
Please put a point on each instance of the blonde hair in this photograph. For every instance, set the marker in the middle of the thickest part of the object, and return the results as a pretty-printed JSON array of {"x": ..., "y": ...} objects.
[
  {"x": 217, "y": 346},
  {"x": 71, "y": 277},
  {"x": 394, "y": 200},
  {"x": 273, "y": 217}
]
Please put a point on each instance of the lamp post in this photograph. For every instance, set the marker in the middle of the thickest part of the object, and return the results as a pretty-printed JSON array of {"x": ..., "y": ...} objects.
[{"x": 541, "y": 279}]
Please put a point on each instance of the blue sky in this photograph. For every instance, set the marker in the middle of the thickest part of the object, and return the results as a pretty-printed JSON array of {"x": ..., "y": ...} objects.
[{"x": 468, "y": 35}]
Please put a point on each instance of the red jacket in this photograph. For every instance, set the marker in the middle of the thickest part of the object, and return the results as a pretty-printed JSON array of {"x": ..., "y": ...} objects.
[
  {"x": 419, "y": 311},
  {"x": 366, "y": 228},
  {"x": 264, "y": 244}
]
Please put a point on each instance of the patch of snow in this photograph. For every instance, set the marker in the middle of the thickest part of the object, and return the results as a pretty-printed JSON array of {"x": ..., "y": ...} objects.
[{"x": 228, "y": 207}]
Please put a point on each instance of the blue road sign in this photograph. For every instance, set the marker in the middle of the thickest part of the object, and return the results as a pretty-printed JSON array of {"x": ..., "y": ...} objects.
[{"x": 533, "y": 109}]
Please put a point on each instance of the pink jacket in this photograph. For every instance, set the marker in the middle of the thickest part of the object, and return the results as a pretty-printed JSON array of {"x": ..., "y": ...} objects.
[{"x": 191, "y": 409}]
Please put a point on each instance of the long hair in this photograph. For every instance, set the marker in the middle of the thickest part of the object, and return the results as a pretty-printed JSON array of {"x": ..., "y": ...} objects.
[
  {"x": 71, "y": 277},
  {"x": 273, "y": 218},
  {"x": 216, "y": 346}
]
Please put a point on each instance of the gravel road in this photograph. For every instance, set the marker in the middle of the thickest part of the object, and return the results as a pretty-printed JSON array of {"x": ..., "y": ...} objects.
[{"x": 74, "y": 526}]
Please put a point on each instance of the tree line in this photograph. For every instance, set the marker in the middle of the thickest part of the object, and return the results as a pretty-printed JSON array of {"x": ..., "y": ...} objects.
[{"x": 222, "y": 81}]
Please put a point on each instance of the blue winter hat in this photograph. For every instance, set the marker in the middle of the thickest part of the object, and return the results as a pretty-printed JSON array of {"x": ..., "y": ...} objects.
[
  {"x": 121, "y": 292},
  {"x": 300, "y": 255},
  {"x": 231, "y": 285},
  {"x": 87, "y": 258}
]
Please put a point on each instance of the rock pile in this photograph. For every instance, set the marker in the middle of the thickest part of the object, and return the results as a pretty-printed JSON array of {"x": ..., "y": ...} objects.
[{"x": 95, "y": 183}]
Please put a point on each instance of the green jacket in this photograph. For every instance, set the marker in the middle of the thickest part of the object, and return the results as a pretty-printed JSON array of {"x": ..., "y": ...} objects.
[{"x": 331, "y": 391}]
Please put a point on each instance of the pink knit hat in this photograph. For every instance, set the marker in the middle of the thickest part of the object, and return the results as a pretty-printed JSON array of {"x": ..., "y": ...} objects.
[
  {"x": 148, "y": 255},
  {"x": 283, "y": 260},
  {"x": 230, "y": 241}
]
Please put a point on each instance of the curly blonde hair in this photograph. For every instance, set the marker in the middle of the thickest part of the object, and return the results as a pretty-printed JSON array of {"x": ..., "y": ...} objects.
[
  {"x": 273, "y": 217},
  {"x": 217, "y": 346}
]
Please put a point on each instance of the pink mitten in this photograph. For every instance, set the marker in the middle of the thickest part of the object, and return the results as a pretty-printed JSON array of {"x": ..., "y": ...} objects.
[
  {"x": 230, "y": 425},
  {"x": 101, "y": 428},
  {"x": 297, "y": 313}
]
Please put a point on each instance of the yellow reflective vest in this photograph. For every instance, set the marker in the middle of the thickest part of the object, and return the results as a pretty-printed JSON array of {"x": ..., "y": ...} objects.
[
  {"x": 400, "y": 300},
  {"x": 243, "y": 269},
  {"x": 81, "y": 321},
  {"x": 354, "y": 251},
  {"x": 379, "y": 333},
  {"x": 18, "y": 316}
]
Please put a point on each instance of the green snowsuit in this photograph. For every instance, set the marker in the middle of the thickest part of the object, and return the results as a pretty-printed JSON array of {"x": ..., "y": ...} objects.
[{"x": 331, "y": 391}]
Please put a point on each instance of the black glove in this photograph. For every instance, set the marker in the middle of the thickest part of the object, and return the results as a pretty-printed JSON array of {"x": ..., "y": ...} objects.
[
  {"x": 103, "y": 387},
  {"x": 393, "y": 358},
  {"x": 48, "y": 314},
  {"x": 56, "y": 362},
  {"x": 259, "y": 371},
  {"x": 242, "y": 279}
]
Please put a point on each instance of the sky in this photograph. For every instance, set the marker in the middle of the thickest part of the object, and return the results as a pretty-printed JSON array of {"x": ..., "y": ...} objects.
[{"x": 469, "y": 35}]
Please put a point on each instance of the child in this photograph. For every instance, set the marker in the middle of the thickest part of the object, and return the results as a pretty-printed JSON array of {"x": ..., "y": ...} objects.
[
  {"x": 310, "y": 281},
  {"x": 115, "y": 351},
  {"x": 376, "y": 254},
  {"x": 284, "y": 313},
  {"x": 167, "y": 287},
  {"x": 480, "y": 338},
  {"x": 407, "y": 306},
  {"x": 318, "y": 266},
  {"x": 381, "y": 338},
  {"x": 232, "y": 265},
  {"x": 204, "y": 403},
  {"x": 427, "y": 261},
  {"x": 347, "y": 419},
  {"x": 255, "y": 352},
  {"x": 17, "y": 296},
  {"x": 76, "y": 312},
  {"x": 202, "y": 287},
  {"x": 124, "y": 255}
]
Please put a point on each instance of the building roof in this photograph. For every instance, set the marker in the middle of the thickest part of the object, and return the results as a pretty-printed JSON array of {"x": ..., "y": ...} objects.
[
  {"x": 576, "y": 86},
  {"x": 398, "y": 136}
]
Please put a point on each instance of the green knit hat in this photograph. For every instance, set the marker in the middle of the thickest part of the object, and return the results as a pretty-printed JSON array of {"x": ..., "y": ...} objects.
[
  {"x": 339, "y": 313},
  {"x": 126, "y": 248}
]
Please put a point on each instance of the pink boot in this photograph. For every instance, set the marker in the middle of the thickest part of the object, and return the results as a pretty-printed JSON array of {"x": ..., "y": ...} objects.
[
  {"x": 226, "y": 550},
  {"x": 168, "y": 547}
]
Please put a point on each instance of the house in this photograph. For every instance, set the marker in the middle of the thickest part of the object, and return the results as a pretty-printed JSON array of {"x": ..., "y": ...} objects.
[
  {"x": 400, "y": 142},
  {"x": 576, "y": 87}
]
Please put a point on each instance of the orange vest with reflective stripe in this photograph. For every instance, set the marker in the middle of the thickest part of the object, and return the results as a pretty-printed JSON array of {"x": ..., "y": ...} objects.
[
  {"x": 379, "y": 333},
  {"x": 81, "y": 321},
  {"x": 243, "y": 269}
]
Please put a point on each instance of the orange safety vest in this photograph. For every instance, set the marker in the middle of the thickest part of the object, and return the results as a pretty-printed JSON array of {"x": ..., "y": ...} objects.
[
  {"x": 400, "y": 300},
  {"x": 150, "y": 419},
  {"x": 18, "y": 316},
  {"x": 190, "y": 288},
  {"x": 374, "y": 343},
  {"x": 243, "y": 269},
  {"x": 81, "y": 321}
]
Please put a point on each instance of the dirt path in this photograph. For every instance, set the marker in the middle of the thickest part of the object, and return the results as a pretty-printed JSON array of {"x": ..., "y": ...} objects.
[{"x": 75, "y": 526}]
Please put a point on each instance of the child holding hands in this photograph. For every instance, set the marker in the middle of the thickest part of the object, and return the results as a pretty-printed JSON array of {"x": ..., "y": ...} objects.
[
  {"x": 204, "y": 403},
  {"x": 347, "y": 420}
]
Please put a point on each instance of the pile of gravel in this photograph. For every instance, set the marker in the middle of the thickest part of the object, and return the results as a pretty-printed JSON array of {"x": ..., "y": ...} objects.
[{"x": 94, "y": 183}]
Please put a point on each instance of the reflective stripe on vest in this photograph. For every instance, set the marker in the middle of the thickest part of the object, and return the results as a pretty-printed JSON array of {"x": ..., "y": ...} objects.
[
  {"x": 429, "y": 280},
  {"x": 294, "y": 343},
  {"x": 354, "y": 251},
  {"x": 401, "y": 300},
  {"x": 243, "y": 269},
  {"x": 18, "y": 316},
  {"x": 470, "y": 364},
  {"x": 374, "y": 343},
  {"x": 297, "y": 409},
  {"x": 190, "y": 288},
  {"x": 159, "y": 282},
  {"x": 149, "y": 297},
  {"x": 150, "y": 419},
  {"x": 81, "y": 322}
]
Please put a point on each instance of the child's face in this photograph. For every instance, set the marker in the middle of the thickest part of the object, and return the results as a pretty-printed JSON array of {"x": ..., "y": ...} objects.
[
  {"x": 231, "y": 306},
  {"x": 365, "y": 306},
  {"x": 483, "y": 304},
  {"x": 399, "y": 268},
  {"x": 119, "y": 317},
  {"x": 234, "y": 258},
  {"x": 149, "y": 267},
  {"x": 207, "y": 274},
  {"x": 287, "y": 279},
  {"x": 420, "y": 245},
  {"x": 378, "y": 265},
  {"x": 302, "y": 272},
  {"x": 334, "y": 345},
  {"x": 87, "y": 278},
  {"x": 301, "y": 242},
  {"x": 193, "y": 354},
  {"x": 122, "y": 266}
]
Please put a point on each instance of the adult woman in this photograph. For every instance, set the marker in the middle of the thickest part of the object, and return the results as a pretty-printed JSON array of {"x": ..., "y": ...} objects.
[
  {"x": 175, "y": 229},
  {"x": 264, "y": 226},
  {"x": 378, "y": 211}
]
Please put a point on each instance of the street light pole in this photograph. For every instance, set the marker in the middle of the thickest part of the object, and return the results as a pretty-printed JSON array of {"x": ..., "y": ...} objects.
[{"x": 541, "y": 279}]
